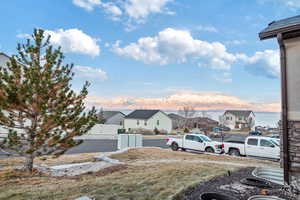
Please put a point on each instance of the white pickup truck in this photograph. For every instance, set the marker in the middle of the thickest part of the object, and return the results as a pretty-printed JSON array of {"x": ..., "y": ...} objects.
[
  {"x": 254, "y": 146},
  {"x": 196, "y": 142}
]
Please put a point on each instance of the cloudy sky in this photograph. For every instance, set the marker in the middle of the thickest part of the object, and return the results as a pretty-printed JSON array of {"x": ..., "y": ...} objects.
[{"x": 160, "y": 53}]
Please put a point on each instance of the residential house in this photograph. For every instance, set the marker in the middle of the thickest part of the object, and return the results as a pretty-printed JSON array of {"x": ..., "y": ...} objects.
[
  {"x": 111, "y": 117},
  {"x": 287, "y": 34},
  {"x": 148, "y": 119},
  {"x": 177, "y": 121},
  {"x": 203, "y": 123},
  {"x": 3, "y": 59},
  {"x": 238, "y": 119}
]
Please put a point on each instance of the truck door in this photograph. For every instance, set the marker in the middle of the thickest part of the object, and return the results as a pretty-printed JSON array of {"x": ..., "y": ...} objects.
[
  {"x": 192, "y": 142},
  {"x": 189, "y": 142},
  {"x": 199, "y": 144},
  {"x": 268, "y": 149},
  {"x": 251, "y": 147}
]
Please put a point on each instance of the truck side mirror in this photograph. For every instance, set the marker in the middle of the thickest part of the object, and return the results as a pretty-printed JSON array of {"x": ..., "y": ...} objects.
[{"x": 272, "y": 145}]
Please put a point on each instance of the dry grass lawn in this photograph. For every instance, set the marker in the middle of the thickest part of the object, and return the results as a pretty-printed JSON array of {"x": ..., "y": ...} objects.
[
  {"x": 48, "y": 160},
  {"x": 149, "y": 181},
  {"x": 153, "y": 153}
]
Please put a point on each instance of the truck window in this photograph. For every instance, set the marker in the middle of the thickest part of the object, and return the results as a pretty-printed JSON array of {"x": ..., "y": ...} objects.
[
  {"x": 253, "y": 142},
  {"x": 206, "y": 139},
  {"x": 265, "y": 143},
  {"x": 197, "y": 139},
  {"x": 189, "y": 137}
]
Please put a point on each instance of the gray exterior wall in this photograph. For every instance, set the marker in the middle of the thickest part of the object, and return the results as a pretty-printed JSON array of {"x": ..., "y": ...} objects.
[{"x": 116, "y": 119}]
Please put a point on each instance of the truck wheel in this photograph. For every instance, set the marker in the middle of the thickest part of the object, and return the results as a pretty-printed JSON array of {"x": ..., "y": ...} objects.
[
  {"x": 209, "y": 150},
  {"x": 234, "y": 152},
  {"x": 174, "y": 146}
]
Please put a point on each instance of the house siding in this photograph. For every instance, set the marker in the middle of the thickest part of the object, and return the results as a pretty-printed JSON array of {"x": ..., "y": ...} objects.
[
  {"x": 229, "y": 122},
  {"x": 165, "y": 123},
  {"x": 3, "y": 60},
  {"x": 235, "y": 122}
]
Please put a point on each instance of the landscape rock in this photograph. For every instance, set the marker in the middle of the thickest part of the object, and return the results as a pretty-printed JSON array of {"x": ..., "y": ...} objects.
[{"x": 78, "y": 168}]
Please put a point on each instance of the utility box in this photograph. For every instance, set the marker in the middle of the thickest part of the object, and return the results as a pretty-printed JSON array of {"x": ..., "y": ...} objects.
[{"x": 129, "y": 140}]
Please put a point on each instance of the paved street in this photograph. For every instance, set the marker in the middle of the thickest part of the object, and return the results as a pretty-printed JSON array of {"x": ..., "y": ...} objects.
[
  {"x": 111, "y": 145},
  {"x": 108, "y": 145}
]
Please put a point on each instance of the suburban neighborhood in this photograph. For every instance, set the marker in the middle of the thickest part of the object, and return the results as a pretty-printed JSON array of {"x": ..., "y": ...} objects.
[{"x": 150, "y": 100}]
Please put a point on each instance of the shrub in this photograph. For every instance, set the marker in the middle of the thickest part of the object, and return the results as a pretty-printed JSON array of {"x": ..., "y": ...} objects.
[
  {"x": 156, "y": 131},
  {"x": 186, "y": 130},
  {"x": 141, "y": 131}
]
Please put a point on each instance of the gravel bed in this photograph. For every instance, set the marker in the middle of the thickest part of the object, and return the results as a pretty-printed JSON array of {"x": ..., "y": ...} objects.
[{"x": 230, "y": 185}]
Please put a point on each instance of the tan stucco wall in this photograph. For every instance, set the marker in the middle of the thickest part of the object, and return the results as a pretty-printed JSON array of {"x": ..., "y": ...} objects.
[{"x": 293, "y": 77}]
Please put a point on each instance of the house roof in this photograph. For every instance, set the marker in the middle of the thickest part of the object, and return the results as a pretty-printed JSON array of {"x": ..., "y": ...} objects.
[
  {"x": 281, "y": 26},
  {"x": 142, "y": 114},
  {"x": 239, "y": 113},
  {"x": 109, "y": 114},
  {"x": 175, "y": 116},
  {"x": 3, "y": 54}
]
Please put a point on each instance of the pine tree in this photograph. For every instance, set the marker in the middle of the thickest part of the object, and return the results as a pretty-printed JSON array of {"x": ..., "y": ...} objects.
[{"x": 37, "y": 105}]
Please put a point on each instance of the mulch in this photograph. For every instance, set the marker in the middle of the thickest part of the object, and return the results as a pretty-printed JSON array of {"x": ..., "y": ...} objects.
[{"x": 224, "y": 185}]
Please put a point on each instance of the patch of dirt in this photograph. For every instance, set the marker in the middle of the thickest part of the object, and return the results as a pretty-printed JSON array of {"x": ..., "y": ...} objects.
[{"x": 229, "y": 184}]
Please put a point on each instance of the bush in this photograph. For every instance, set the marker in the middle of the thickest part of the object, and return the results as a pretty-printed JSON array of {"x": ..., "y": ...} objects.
[
  {"x": 141, "y": 131},
  {"x": 186, "y": 130},
  {"x": 121, "y": 130},
  {"x": 156, "y": 131}
]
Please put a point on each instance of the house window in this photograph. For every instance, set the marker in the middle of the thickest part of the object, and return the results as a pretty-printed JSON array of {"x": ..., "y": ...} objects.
[
  {"x": 240, "y": 118},
  {"x": 157, "y": 122},
  {"x": 137, "y": 122},
  {"x": 227, "y": 118},
  {"x": 145, "y": 123}
]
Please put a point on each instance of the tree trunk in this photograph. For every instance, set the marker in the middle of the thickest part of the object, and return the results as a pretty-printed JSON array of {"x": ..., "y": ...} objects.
[{"x": 29, "y": 163}]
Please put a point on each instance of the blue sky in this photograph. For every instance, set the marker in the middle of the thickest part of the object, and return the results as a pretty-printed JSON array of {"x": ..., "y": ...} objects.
[{"x": 160, "y": 53}]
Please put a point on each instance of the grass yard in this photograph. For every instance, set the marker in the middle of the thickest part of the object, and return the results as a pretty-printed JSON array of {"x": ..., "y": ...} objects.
[
  {"x": 132, "y": 181},
  {"x": 48, "y": 160}
]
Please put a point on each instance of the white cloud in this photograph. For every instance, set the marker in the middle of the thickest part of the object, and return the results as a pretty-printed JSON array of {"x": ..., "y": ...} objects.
[
  {"x": 130, "y": 12},
  {"x": 88, "y": 5},
  {"x": 112, "y": 9},
  {"x": 264, "y": 63},
  {"x": 199, "y": 100},
  {"x": 74, "y": 41},
  {"x": 223, "y": 77},
  {"x": 88, "y": 72},
  {"x": 24, "y": 35},
  {"x": 140, "y": 9},
  {"x": 236, "y": 42},
  {"x": 172, "y": 45},
  {"x": 207, "y": 28}
]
